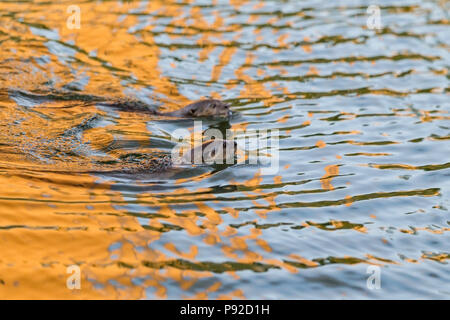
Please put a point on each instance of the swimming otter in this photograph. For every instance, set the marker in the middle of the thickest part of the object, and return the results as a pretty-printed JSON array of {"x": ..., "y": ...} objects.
[
  {"x": 201, "y": 108},
  {"x": 212, "y": 151}
]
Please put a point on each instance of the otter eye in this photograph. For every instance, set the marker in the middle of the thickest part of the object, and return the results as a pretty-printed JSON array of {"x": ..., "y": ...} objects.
[{"x": 192, "y": 111}]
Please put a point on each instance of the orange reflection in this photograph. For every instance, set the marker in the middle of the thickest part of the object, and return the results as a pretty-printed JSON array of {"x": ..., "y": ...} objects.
[{"x": 330, "y": 172}]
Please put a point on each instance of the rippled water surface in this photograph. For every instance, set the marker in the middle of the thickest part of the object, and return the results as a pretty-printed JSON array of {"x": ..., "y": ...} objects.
[{"x": 363, "y": 175}]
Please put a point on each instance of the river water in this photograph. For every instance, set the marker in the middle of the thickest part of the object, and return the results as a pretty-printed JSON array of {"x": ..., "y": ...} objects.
[{"x": 357, "y": 206}]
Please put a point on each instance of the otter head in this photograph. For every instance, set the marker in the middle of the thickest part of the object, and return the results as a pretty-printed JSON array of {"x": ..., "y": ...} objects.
[
  {"x": 213, "y": 151},
  {"x": 206, "y": 108}
]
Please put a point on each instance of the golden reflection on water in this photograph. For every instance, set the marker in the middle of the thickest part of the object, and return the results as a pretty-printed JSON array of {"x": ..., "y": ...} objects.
[{"x": 54, "y": 214}]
